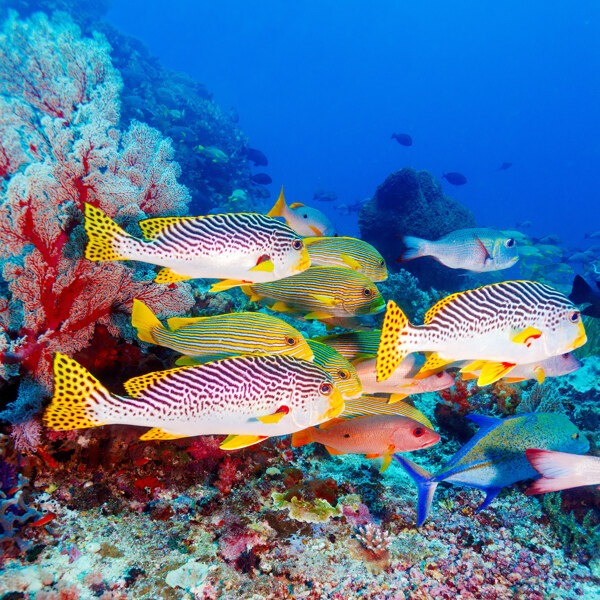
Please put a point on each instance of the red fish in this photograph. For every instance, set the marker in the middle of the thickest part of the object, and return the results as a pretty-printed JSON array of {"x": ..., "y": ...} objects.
[{"x": 43, "y": 520}]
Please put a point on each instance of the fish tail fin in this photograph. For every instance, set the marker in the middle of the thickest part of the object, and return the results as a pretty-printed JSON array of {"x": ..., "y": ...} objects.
[
  {"x": 280, "y": 207},
  {"x": 104, "y": 236},
  {"x": 144, "y": 321},
  {"x": 390, "y": 352},
  {"x": 301, "y": 438},
  {"x": 414, "y": 247},
  {"x": 581, "y": 292},
  {"x": 78, "y": 397},
  {"x": 556, "y": 469},
  {"x": 425, "y": 486}
]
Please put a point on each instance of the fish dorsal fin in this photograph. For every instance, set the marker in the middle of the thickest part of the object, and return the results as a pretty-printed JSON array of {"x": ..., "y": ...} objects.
[
  {"x": 137, "y": 385},
  {"x": 296, "y": 205},
  {"x": 331, "y": 423},
  {"x": 333, "y": 451},
  {"x": 485, "y": 421},
  {"x": 484, "y": 251},
  {"x": 476, "y": 365},
  {"x": 156, "y": 433},
  {"x": 152, "y": 228},
  {"x": 280, "y": 206},
  {"x": 438, "y": 306}
]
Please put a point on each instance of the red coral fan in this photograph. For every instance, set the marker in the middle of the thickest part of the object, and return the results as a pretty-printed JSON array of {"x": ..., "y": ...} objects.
[
  {"x": 228, "y": 474},
  {"x": 458, "y": 396}
]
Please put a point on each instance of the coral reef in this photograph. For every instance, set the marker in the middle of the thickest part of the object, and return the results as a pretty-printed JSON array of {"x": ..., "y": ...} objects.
[{"x": 411, "y": 202}]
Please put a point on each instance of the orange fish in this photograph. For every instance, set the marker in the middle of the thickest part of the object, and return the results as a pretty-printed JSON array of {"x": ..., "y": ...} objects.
[
  {"x": 43, "y": 520},
  {"x": 373, "y": 435}
]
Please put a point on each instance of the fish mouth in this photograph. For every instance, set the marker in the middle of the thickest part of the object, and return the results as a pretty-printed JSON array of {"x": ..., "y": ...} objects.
[
  {"x": 581, "y": 338},
  {"x": 336, "y": 405},
  {"x": 303, "y": 262},
  {"x": 431, "y": 442}
]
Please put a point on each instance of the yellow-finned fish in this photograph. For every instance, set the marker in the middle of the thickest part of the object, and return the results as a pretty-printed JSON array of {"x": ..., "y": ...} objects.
[
  {"x": 503, "y": 324},
  {"x": 248, "y": 397},
  {"x": 478, "y": 250},
  {"x": 320, "y": 293},
  {"x": 342, "y": 372},
  {"x": 238, "y": 247},
  {"x": 348, "y": 253},
  {"x": 304, "y": 220},
  {"x": 220, "y": 336}
]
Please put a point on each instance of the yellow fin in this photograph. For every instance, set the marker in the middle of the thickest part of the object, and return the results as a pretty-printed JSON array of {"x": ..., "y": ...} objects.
[
  {"x": 76, "y": 394},
  {"x": 318, "y": 315},
  {"x": 492, "y": 371},
  {"x": 438, "y": 306},
  {"x": 333, "y": 451},
  {"x": 394, "y": 398},
  {"x": 265, "y": 265},
  {"x": 476, "y": 365},
  {"x": 327, "y": 300},
  {"x": 156, "y": 433},
  {"x": 432, "y": 365},
  {"x": 275, "y": 417},
  {"x": 281, "y": 307},
  {"x": 540, "y": 375},
  {"x": 144, "y": 321},
  {"x": 303, "y": 437},
  {"x": 167, "y": 276},
  {"x": 152, "y": 228},
  {"x": 280, "y": 207},
  {"x": 390, "y": 353},
  {"x": 189, "y": 361},
  {"x": 233, "y": 442},
  {"x": 252, "y": 296},
  {"x": 136, "y": 385},
  {"x": 525, "y": 336},
  {"x": 176, "y": 323},
  {"x": 511, "y": 379},
  {"x": 296, "y": 205},
  {"x": 103, "y": 235},
  {"x": 227, "y": 284},
  {"x": 351, "y": 262},
  {"x": 467, "y": 376},
  {"x": 387, "y": 459}
]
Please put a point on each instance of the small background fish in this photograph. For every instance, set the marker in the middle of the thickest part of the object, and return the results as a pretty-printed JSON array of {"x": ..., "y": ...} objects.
[{"x": 305, "y": 220}]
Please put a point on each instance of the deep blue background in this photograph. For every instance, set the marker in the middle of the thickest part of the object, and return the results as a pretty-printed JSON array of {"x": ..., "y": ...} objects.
[{"x": 320, "y": 86}]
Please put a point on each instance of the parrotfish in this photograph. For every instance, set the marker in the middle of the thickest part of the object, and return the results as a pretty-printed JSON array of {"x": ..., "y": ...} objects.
[
  {"x": 583, "y": 293},
  {"x": 247, "y": 397},
  {"x": 555, "y": 366},
  {"x": 455, "y": 178},
  {"x": 374, "y": 436},
  {"x": 304, "y": 220},
  {"x": 349, "y": 253},
  {"x": 504, "y": 324},
  {"x": 220, "y": 336},
  {"x": 478, "y": 250},
  {"x": 561, "y": 470},
  {"x": 342, "y": 372},
  {"x": 237, "y": 247},
  {"x": 320, "y": 293},
  {"x": 495, "y": 457}
]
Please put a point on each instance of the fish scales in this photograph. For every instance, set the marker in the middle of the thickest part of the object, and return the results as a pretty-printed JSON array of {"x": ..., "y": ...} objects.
[{"x": 353, "y": 343}]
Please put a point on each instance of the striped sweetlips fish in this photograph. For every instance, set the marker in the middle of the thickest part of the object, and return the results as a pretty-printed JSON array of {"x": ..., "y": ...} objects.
[
  {"x": 342, "y": 372},
  {"x": 495, "y": 457},
  {"x": 360, "y": 348},
  {"x": 219, "y": 336},
  {"x": 348, "y": 253},
  {"x": 237, "y": 247},
  {"x": 249, "y": 397},
  {"x": 504, "y": 324},
  {"x": 320, "y": 293}
]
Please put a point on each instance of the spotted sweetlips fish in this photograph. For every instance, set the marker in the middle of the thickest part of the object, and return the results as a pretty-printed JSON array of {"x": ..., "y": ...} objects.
[
  {"x": 495, "y": 457},
  {"x": 249, "y": 397},
  {"x": 219, "y": 336},
  {"x": 237, "y": 247},
  {"x": 503, "y": 324}
]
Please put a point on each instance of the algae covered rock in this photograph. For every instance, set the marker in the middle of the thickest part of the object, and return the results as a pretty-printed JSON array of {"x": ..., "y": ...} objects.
[{"x": 412, "y": 202}]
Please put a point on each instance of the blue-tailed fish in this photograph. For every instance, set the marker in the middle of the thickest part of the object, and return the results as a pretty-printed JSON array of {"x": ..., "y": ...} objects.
[
  {"x": 555, "y": 366},
  {"x": 248, "y": 397},
  {"x": 304, "y": 220},
  {"x": 342, "y": 372},
  {"x": 495, "y": 457},
  {"x": 320, "y": 293},
  {"x": 237, "y": 247},
  {"x": 376, "y": 436},
  {"x": 348, "y": 253},
  {"x": 220, "y": 336},
  {"x": 478, "y": 250},
  {"x": 360, "y": 348},
  {"x": 561, "y": 470},
  {"x": 504, "y": 324}
]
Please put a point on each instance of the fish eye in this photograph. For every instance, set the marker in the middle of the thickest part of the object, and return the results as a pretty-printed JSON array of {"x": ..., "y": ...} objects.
[
  {"x": 291, "y": 341},
  {"x": 440, "y": 374},
  {"x": 367, "y": 292},
  {"x": 418, "y": 432},
  {"x": 509, "y": 243},
  {"x": 343, "y": 374},
  {"x": 566, "y": 355},
  {"x": 575, "y": 436},
  {"x": 574, "y": 316},
  {"x": 326, "y": 389},
  {"x": 297, "y": 244},
  {"x": 305, "y": 216},
  {"x": 382, "y": 263}
]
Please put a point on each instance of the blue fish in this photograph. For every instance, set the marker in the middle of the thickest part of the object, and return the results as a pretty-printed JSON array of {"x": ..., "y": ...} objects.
[{"x": 495, "y": 457}]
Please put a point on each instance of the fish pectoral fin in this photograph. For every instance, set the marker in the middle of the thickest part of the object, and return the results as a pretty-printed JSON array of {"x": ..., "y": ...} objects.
[
  {"x": 318, "y": 315},
  {"x": 396, "y": 398},
  {"x": 526, "y": 336},
  {"x": 167, "y": 276},
  {"x": 387, "y": 459},
  {"x": 492, "y": 371},
  {"x": 264, "y": 264},
  {"x": 276, "y": 416},
  {"x": 333, "y": 451},
  {"x": 227, "y": 284},
  {"x": 476, "y": 365},
  {"x": 156, "y": 433},
  {"x": 483, "y": 251},
  {"x": 540, "y": 374},
  {"x": 296, "y": 205},
  {"x": 323, "y": 299},
  {"x": 281, "y": 307},
  {"x": 351, "y": 262},
  {"x": 233, "y": 442},
  {"x": 432, "y": 365},
  {"x": 490, "y": 494}
]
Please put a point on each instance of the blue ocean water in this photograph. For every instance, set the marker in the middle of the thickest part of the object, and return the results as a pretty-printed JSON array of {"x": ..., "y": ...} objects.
[{"x": 320, "y": 87}]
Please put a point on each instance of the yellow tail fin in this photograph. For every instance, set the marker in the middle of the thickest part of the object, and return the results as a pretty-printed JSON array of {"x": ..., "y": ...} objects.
[
  {"x": 103, "y": 234},
  {"x": 144, "y": 321},
  {"x": 390, "y": 354},
  {"x": 77, "y": 395},
  {"x": 280, "y": 207}
]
